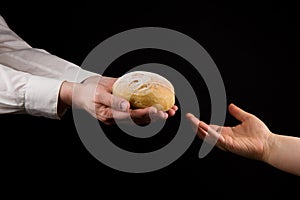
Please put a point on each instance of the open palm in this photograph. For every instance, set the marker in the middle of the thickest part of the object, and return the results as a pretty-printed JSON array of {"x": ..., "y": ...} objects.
[{"x": 248, "y": 139}]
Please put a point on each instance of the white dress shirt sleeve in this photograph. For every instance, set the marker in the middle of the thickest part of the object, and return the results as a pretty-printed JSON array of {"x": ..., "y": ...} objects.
[
  {"x": 31, "y": 78},
  {"x": 17, "y": 54},
  {"x": 21, "y": 92}
]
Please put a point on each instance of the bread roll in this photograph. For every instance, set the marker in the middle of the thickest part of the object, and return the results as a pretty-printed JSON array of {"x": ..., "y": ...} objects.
[{"x": 144, "y": 89}]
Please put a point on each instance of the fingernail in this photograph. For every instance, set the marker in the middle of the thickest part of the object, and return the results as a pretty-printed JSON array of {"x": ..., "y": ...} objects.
[{"x": 123, "y": 106}]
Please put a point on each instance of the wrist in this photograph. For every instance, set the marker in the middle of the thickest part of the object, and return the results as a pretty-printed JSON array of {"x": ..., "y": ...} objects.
[
  {"x": 269, "y": 147},
  {"x": 65, "y": 95}
]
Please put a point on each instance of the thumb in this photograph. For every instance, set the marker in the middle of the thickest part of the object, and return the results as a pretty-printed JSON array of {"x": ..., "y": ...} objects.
[
  {"x": 119, "y": 104},
  {"x": 238, "y": 113},
  {"x": 112, "y": 101}
]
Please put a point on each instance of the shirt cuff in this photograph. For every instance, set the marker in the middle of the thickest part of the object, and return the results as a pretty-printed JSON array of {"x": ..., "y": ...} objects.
[{"x": 41, "y": 97}]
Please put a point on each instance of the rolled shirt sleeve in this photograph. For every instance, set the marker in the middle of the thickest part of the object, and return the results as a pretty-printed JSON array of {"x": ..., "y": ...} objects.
[{"x": 25, "y": 93}]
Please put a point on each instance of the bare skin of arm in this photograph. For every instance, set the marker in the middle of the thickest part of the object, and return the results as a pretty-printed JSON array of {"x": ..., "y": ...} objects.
[{"x": 253, "y": 139}]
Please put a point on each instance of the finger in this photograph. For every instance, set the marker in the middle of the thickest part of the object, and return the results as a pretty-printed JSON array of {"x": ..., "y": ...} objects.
[
  {"x": 113, "y": 116},
  {"x": 121, "y": 116},
  {"x": 160, "y": 115},
  {"x": 147, "y": 115},
  {"x": 138, "y": 116},
  {"x": 175, "y": 108},
  {"x": 207, "y": 127},
  {"x": 112, "y": 101},
  {"x": 202, "y": 133},
  {"x": 203, "y": 125},
  {"x": 110, "y": 116},
  {"x": 171, "y": 112},
  {"x": 194, "y": 121},
  {"x": 150, "y": 112},
  {"x": 119, "y": 104},
  {"x": 214, "y": 131},
  {"x": 238, "y": 113},
  {"x": 206, "y": 132}
]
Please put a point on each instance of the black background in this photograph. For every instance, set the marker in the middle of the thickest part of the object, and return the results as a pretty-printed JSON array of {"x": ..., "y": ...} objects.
[{"x": 255, "y": 47}]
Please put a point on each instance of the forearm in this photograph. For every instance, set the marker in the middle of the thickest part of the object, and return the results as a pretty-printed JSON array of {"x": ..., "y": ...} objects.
[{"x": 284, "y": 153}]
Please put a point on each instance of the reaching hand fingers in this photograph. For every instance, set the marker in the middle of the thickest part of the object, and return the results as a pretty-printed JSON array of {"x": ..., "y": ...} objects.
[
  {"x": 204, "y": 130},
  {"x": 215, "y": 132},
  {"x": 212, "y": 136},
  {"x": 194, "y": 121},
  {"x": 202, "y": 133},
  {"x": 203, "y": 125}
]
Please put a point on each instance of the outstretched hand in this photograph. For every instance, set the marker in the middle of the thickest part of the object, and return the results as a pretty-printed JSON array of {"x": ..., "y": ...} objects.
[{"x": 248, "y": 139}]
